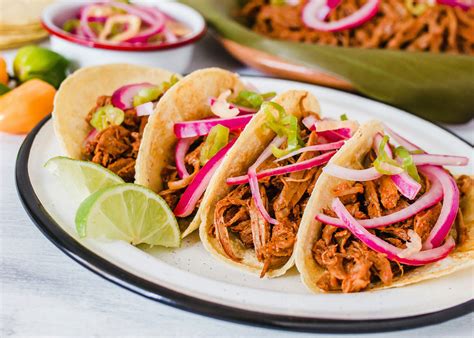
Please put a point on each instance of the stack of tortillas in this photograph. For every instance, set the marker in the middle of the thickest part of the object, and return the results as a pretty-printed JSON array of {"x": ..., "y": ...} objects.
[{"x": 20, "y": 22}]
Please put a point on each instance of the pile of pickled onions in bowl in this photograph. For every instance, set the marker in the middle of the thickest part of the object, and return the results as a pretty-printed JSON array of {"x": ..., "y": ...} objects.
[{"x": 119, "y": 23}]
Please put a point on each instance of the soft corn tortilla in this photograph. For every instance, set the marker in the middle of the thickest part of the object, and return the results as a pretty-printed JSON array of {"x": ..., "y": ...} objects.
[
  {"x": 185, "y": 101},
  {"x": 78, "y": 94},
  {"x": 243, "y": 154},
  {"x": 350, "y": 156}
]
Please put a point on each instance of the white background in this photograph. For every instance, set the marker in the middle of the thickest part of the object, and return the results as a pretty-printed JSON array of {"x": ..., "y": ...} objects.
[{"x": 43, "y": 292}]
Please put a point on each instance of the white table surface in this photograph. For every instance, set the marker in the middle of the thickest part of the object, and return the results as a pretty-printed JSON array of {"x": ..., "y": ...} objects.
[{"x": 45, "y": 293}]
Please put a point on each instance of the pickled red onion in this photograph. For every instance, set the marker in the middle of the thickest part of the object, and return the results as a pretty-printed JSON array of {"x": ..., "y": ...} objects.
[
  {"x": 449, "y": 209},
  {"x": 153, "y": 17},
  {"x": 330, "y": 135},
  {"x": 401, "y": 140},
  {"x": 294, "y": 167},
  {"x": 242, "y": 110},
  {"x": 433, "y": 159},
  {"x": 253, "y": 180},
  {"x": 427, "y": 200},
  {"x": 202, "y": 127},
  {"x": 84, "y": 21},
  {"x": 466, "y": 4},
  {"x": 145, "y": 109},
  {"x": 196, "y": 188},
  {"x": 182, "y": 148},
  {"x": 324, "y": 11},
  {"x": 317, "y": 147},
  {"x": 392, "y": 252},
  {"x": 352, "y": 174},
  {"x": 123, "y": 97},
  {"x": 327, "y": 124},
  {"x": 313, "y": 7}
]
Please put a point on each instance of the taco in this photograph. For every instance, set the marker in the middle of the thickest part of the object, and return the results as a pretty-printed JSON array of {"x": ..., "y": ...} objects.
[
  {"x": 252, "y": 210},
  {"x": 385, "y": 216},
  {"x": 188, "y": 136},
  {"x": 100, "y": 113}
]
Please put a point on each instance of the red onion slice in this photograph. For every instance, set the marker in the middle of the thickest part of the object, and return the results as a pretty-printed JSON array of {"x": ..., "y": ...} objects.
[
  {"x": 122, "y": 98},
  {"x": 242, "y": 110},
  {"x": 449, "y": 209},
  {"x": 181, "y": 150},
  {"x": 391, "y": 251},
  {"x": 430, "y": 198},
  {"x": 312, "y": 8},
  {"x": 464, "y": 4},
  {"x": 309, "y": 121},
  {"x": 194, "y": 191},
  {"x": 324, "y": 11},
  {"x": 336, "y": 135},
  {"x": 298, "y": 166},
  {"x": 253, "y": 180},
  {"x": 145, "y": 109},
  {"x": 401, "y": 140},
  {"x": 422, "y": 159},
  {"x": 406, "y": 185},
  {"x": 317, "y": 147},
  {"x": 152, "y": 16},
  {"x": 203, "y": 127},
  {"x": 362, "y": 175},
  {"x": 330, "y": 135},
  {"x": 84, "y": 22},
  {"x": 334, "y": 125}
]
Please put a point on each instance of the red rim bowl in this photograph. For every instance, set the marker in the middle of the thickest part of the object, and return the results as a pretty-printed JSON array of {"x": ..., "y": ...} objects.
[{"x": 54, "y": 10}]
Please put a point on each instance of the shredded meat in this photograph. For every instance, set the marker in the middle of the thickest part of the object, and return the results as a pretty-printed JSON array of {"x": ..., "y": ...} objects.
[
  {"x": 440, "y": 28},
  {"x": 295, "y": 185},
  {"x": 347, "y": 191},
  {"x": 116, "y": 147},
  {"x": 389, "y": 195},
  {"x": 350, "y": 266},
  {"x": 174, "y": 186},
  {"x": 465, "y": 184},
  {"x": 230, "y": 212},
  {"x": 372, "y": 200},
  {"x": 284, "y": 196},
  {"x": 425, "y": 221}
]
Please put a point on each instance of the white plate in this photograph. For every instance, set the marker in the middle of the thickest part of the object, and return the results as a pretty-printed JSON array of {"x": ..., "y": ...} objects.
[{"x": 190, "y": 278}]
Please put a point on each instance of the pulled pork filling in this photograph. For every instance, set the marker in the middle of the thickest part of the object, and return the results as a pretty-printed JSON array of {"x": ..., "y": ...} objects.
[
  {"x": 350, "y": 265},
  {"x": 174, "y": 186},
  {"x": 284, "y": 197},
  {"x": 440, "y": 28},
  {"x": 116, "y": 147}
]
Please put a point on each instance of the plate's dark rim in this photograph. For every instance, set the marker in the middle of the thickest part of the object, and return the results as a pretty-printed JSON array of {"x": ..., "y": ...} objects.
[{"x": 156, "y": 292}]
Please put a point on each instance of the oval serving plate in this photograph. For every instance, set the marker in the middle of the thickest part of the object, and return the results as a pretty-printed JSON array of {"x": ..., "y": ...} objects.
[{"x": 190, "y": 279}]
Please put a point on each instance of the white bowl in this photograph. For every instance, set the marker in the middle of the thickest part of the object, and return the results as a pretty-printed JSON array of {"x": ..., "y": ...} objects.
[{"x": 172, "y": 56}]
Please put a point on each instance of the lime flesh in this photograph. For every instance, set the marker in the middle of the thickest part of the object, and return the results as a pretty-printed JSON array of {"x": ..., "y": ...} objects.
[
  {"x": 128, "y": 212},
  {"x": 84, "y": 177}
]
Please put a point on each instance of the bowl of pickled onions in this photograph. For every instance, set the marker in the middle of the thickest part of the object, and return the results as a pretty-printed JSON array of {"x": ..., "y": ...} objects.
[{"x": 159, "y": 34}]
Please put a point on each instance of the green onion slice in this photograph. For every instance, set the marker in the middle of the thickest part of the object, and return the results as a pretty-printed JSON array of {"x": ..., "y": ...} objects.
[
  {"x": 284, "y": 125},
  {"x": 407, "y": 162},
  {"x": 106, "y": 116},
  {"x": 217, "y": 139},
  {"x": 153, "y": 93}
]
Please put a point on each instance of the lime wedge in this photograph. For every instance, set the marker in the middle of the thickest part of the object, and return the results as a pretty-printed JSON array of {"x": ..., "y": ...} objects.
[
  {"x": 128, "y": 212},
  {"x": 84, "y": 177}
]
